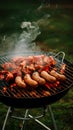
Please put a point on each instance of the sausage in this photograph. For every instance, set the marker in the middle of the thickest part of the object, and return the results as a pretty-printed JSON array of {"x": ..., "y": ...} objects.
[
  {"x": 39, "y": 79},
  {"x": 19, "y": 82},
  {"x": 57, "y": 75},
  {"x": 47, "y": 76},
  {"x": 30, "y": 81}
]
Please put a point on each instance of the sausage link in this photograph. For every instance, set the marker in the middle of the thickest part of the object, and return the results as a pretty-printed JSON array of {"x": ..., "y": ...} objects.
[
  {"x": 30, "y": 81},
  {"x": 48, "y": 77},
  {"x": 39, "y": 79},
  {"x": 57, "y": 75},
  {"x": 19, "y": 82}
]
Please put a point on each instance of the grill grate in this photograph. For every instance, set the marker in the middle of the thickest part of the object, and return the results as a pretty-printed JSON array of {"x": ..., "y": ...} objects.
[{"x": 5, "y": 89}]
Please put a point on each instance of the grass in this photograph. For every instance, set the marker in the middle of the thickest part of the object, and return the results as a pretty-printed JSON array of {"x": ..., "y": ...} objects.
[{"x": 56, "y": 35}]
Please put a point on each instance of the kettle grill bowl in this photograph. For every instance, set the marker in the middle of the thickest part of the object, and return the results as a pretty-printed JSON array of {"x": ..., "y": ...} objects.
[{"x": 34, "y": 102}]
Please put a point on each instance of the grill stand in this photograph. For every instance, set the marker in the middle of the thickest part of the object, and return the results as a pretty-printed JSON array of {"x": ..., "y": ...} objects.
[{"x": 27, "y": 116}]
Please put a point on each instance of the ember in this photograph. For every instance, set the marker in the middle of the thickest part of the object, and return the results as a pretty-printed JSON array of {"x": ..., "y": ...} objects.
[
  {"x": 4, "y": 89},
  {"x": 63, "y": 66}
]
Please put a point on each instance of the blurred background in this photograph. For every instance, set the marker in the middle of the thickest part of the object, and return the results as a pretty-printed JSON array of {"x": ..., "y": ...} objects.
[{"x": 40, "y": 25}]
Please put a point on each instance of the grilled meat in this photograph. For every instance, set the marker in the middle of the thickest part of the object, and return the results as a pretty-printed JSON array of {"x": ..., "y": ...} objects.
[
  {"x": 30, "y": 71},
  {"x": 40, "y": 80},
  {"x": 20, "y": 82},
  {"x": 30, "y": 81},
  {"x": 47, "y": 76},
  {"x": 57, "y": 75}
]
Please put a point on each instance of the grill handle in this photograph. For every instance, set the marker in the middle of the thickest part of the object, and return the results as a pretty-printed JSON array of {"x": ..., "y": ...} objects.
[{"x": 62, "y": 56}]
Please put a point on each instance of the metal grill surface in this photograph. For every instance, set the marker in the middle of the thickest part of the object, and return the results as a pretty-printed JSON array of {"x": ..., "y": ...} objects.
[{"x": 41, "y": 92}]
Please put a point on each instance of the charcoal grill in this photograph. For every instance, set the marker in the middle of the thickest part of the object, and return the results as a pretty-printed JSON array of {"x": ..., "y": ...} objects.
[{"x": 24, "y": 99}]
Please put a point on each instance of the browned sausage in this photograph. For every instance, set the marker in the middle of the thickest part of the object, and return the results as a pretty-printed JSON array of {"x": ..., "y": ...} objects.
[
  {"x": 30, "y": 81},
  {"x": 57, "y": 75},
  {"x": 19, "y": 82},
  {"x": 48, "y": 77},
  {"x": 39, "y": 79}
]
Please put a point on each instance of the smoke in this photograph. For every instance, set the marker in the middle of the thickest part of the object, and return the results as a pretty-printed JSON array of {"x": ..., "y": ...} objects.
[
  {"x": 24, "y": 41},
  {"x": 27, "y": 37}
]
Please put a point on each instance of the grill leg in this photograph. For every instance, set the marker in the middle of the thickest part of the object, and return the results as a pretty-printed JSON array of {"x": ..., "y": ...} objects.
[
  {"x": 8, "y": 112},
  {"x": 52, "y": 116},
  {"x": 39, "y": 122},
  {"x": 25, "y": 116}
]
